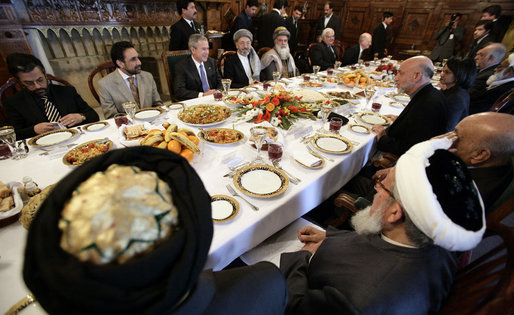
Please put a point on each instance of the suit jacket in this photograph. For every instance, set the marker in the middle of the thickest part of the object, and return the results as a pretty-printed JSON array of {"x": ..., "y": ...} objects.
[
  {"x": 242, "y": 21},
  {"x": 484, "y": 102},
  {"x": 378, "y": 43},
  {"x": 477, "y": 46},
  {"x": 24, "y": 113},
  {"x": 234, "y": 70},
  {"x": 480, "y": 84},
  {"x": 351, "y": 55},
  {"x": 458, "y": 105},
  {"x": 334, "y": 23},
  {"x": 424, "y": 117},
  {"x": 179, "y": 34},
  {"x": 114, "y": 91},
  {"x": 444, "y": 46},
  {"x": 293, "y": 39},
  {"x": 322, "y": 56},
  {"x": 257, "y": 289},
  {"x": 267, "y": 25},
  {"x": 491, "y": 182},
  {"x": 187, "y": 83}
]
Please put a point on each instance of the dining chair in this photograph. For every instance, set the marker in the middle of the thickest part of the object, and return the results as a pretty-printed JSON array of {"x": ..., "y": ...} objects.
[
  {"x": 220, "y": 63},
  {"x": 169, "y": 60},
  {"x": 262, "y": 51},
  {"x": 308, "y": 54},
  {"x": 504, "y": 104},
  {"x": 103, "y": 70},
  {"x": 339, "y": 49}
]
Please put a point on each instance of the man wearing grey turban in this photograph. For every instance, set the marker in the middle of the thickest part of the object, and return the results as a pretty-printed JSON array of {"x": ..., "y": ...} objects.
[
  {"x": 279, "y": 58},
  {"x": 243, "y": 68}
]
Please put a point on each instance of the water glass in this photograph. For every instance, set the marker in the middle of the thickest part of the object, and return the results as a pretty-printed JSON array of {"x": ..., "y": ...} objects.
[
  {"x": 325, "y": 110},
  {"x": 276, "y": 76},
  {"x": 337, "y": 65},
  {"x": 130, "y": 108},
  {"x": 315, "y": 70},
  {"x": 7, "y": 135},
  {"x": 258, "y": 134},
  {"x": 226, "y": 85}
]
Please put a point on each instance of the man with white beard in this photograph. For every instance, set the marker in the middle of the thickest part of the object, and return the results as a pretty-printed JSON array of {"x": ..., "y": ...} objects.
[
  {"x": 279, "y": 58},
  {"x": 399, "y": 260},
  {"x": 501, "y": 81}
]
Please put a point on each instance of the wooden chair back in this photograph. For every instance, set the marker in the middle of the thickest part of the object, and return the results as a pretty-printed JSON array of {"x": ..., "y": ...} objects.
[
  {"x": 220, "y": 63},
  {"x": 103, "y": 70},
  {"x": 169, "y": 60},
  {"x": 262, "y": 51},
  {"x": 339, "y": 49},
  {"x": 308, "y": 54},
  {"x": 12, "y": 86},
  {"x": 504, "y": 104}
]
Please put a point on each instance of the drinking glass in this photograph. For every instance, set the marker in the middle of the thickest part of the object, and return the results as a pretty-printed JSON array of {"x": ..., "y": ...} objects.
[
  {"x": 130, "y": 109},
  {"x": 218, "y": 95},
  {"x": 5, "y": 151},
  {"x": 369, "y": 91},
  {"x": 258, "y": 134},
  {"x": 7, "y": 135},
  {"x": 226, "y": 85},
  {"x": 360, "y": 62},
  {"x": 276, "y": 76},
  {"x": 325, "y": 110},
  {"x": 120, "y": 119},
  {"x": 337, "y": 65},
  {"x": 275, "y": 152},
  {"x": 335, "y": 124},
  {"x": 375, "y": 107},
  {"x": 315, "y": 70}
]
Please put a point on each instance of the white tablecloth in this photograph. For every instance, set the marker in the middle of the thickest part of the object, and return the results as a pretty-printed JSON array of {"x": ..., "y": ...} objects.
[{"x": 231, "y": 239}]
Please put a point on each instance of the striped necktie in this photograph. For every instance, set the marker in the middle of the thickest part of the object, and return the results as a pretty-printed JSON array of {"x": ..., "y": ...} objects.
[
  {"x": 51, "y": 112},
  {"x": 133, "y": 89}
]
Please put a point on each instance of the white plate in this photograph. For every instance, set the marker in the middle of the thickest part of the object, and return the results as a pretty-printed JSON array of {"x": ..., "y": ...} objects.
[
  {"x": 332, "y": 143},
  {"x": 150, "y": 113},
  {"x": 52, "y": 137},
  {"x": 224, "y": 208},
  {"x": 397, "y": 104},
  {"x": 261, "y": 181},
  {"x": 172, "y": 105},
  {"x": 374, "y": 119},
  {"x": 96, "y": 126},
  {"x": 402, "y": 98},
  {"x": 358, "y": 128}
]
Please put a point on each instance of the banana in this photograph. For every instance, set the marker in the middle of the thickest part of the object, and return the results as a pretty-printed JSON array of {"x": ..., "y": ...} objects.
[
  {"x": 162, "y": 145},
  {"x": 155, "y": 132},
  {"x": 185, "y": 141},
  {"x": 165, "y": 125},
  {"x": 188, "y": 131},
  {"x": 171, "y": 128},
  {"x": 152, "y": 140}
]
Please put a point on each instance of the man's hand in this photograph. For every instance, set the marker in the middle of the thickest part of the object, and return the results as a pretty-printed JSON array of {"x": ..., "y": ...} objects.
[
  {"x": 210, "y": 92},
  {"x": 452, "y": 135},
  {"x": 71, "y": 120},
  {"x": 309, "y": 234},
  {"x": 311, "y": 247},
  {"x": 381, "y": 174},
  {"x": 379, "y": 130},
  {"x": 392, "y": 117},
  {"x": 43, "y": 127}
]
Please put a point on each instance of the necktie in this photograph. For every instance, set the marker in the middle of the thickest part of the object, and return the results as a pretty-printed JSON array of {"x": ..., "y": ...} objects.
[
  {"x": 205, "y": 85},
  {"x": 51, "y": 112},
  {"x": 333, "y": 52},
  {"x": 133, "y": 89},
  {"x": 193, "y": 26}
]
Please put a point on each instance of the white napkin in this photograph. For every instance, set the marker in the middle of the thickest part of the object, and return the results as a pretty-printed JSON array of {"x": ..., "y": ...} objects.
[{"x": 307, "y": 159}]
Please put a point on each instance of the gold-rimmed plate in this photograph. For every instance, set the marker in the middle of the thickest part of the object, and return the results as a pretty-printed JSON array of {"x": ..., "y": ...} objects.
[
  {"x": 172, "y": 105},
  {"x": 374, "y": 118},
  {"x": 402, "y": 97},
  {"x": 224, "y": 208},
  {"x": 331, "y": 143},
  {"x": 52, "y": 137},
  {"x": 221, "y": 136},
  {"x": 359, "y": 128},
  {"x": 261, "y": 181},
  {"x": 96, "y": 126},
  {"x": 86, "y": 151},
  {"x": 397, "y": 104},
  {"x": 148, "y": 113}
]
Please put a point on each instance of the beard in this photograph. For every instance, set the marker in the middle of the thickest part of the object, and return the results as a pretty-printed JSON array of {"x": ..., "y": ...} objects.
[
  {"x": 495, "y": 77},
  {"x": 136, "y": 70},
  {"x": 283, "y": 53},
  {"x": 365, "y": 224},
  {"x": 244, "y": 52}
]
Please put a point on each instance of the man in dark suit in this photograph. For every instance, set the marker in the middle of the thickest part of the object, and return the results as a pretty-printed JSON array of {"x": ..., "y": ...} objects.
[
  {"x": 380, "y": 35},
  {"x": 424, "y": 117},
  {"x": 354, "y": 53},
  {"x": 185, "y": 27},
  {"x": 487, "y": 59},
  {"x": 242, "y": 21},
  {"x": 446, "y": 38},
  {"x": 323, "y": 54},
  {"x": 196, "y": 76},
  {"x": 500, "y": 23},
  {"x": 497, "y": 84},
  {"x": 244, "y": 67},
  {"x": 37, "y": 107},
  {"x": 329, "y": 19},
  {"x": 293, "y": 26},
  {"x": 269, "y": 22},
  {"x": 481, "y": 37}
]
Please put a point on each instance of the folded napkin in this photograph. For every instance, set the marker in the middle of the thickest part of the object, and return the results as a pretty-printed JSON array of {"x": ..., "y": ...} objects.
[{"x": 307, "y": 159}]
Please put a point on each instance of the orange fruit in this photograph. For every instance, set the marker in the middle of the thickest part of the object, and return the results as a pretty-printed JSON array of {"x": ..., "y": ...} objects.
[
  {"x": 174, "y": 146},
  {"x": 187, "y": 154},
  {"x": 347, "y": 80},
  {"x": 270, "y": 107},
  {"x": 155, "y": 130},
  {"x": 183, "y": 133},
  {"x": 362, "y": 80},
  {"x": 194, "y": 139}
]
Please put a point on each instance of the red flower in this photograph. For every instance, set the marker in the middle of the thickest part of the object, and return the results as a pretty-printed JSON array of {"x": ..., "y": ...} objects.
[
  {"x": 293, "y": 109},
  {"x": 275, "y": 101}
]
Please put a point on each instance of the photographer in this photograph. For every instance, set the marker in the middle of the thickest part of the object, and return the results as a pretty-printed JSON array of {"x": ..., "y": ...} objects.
[{"x": 446, "y": 38}]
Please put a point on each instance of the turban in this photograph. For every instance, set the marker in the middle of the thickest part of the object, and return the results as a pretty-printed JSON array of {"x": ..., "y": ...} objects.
[
  {"x": 281, "y": 30},
  {"x": 243, "y": 32},
  {"x": 439, "y": 196},
  {"x": 151, "y": 283}
]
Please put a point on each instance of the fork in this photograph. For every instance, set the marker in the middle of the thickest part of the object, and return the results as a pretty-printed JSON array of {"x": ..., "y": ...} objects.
[
  {"x": 235, "y": 194},
  {"x": 293, "y": 179},
  {"x": 311, "y": 150}
]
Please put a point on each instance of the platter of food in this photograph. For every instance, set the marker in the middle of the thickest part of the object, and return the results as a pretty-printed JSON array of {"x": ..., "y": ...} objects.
[
  {"x": 52, "y": 137},
  {"x": 262, "y": 181},
  {"x": 311, "y": 85},
  {"x": 359, "y": 128},
  {"x": 221, "y": 136},
  {"x": 374, "y": 118},
  {"x": 344, "y": 95},
  {"x": 309, "y": 95},
  {"x": 96, "y": 126},
  {"x": 148, "y": 113},
  {"x": 86, "y": 151},
  {"x": 331, "y": 143},
  {"x": 241, "y": 98},
  {"x": 204, "y": 115},
  {"x": 224, "y": 208},
  {"x": 333, "y": 102}
]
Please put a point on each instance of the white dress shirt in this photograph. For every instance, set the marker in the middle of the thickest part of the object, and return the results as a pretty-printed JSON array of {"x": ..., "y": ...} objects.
[
  {"x": 246, "y": 65},
  {"x": 126, "y": 77},
  {"x": 327, "y": 19}
]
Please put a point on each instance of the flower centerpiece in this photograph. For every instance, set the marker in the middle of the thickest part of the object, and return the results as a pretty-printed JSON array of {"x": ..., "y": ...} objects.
[
  {"x": 389, "y": 68},
  {"x": 281, "y": 109}
]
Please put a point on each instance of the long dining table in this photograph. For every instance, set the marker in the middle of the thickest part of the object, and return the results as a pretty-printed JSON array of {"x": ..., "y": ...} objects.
[{"x": 249, "y": 227}]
